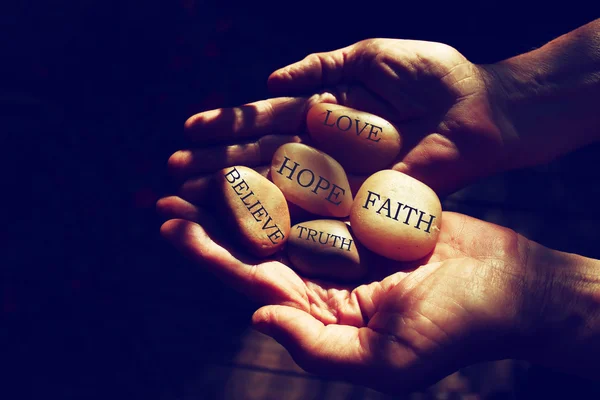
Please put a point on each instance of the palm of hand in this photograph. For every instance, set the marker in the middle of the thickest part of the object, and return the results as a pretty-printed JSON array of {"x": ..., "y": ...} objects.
[
  {"x": 453, "y": 132},
  {"x": 438, "y": 100},
  {"x": 415, "y": 323}
]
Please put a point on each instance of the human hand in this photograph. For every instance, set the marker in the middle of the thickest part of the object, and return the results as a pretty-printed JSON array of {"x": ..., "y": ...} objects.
[
  {"x": 437, "y": 99},
  {"x": 399, "y": 331}
]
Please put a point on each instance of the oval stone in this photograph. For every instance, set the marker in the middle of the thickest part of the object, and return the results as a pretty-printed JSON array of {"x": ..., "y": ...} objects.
[
  {"x": 256, "y": 209},
  {"x": 326, "y": 249},
  {"x": 396, "y": 216},
  {"x": 312, "y": 180},
  {"x": 363, "y": 143}
]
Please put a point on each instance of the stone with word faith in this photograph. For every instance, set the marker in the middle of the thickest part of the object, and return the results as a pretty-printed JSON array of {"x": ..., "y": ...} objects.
[{"x": 396, "y": 216}]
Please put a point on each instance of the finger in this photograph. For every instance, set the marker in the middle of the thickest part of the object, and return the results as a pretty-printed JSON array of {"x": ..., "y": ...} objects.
[
  {"x": 371, "y": 63},
  {"x": 284, "y": 115},
  {"x": 199, "y": 190},
  {"x": 269, "y": 282},
  {"x": 314, "y": 71},
  {"x": 187, "y": 163},
  {"x": 176, "y": 207},
  {"x": 335, "y": 351}
]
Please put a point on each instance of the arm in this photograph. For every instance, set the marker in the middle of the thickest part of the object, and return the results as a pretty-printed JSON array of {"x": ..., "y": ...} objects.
[
  {"x": 563, "y": 311},
  {"x": 550, "y": 97}
]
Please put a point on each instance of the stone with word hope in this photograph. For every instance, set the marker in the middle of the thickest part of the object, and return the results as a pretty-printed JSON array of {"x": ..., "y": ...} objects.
[
  {"x": 256, "y": 209},
  {"x": 396, "y": 216},
  {"x": 363, "y": 143},
  {"x": 312, "y": 180},
  {"x": 325, "y": 249}
]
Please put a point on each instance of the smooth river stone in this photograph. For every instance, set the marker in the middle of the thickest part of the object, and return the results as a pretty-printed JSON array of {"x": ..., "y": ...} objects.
[
  {"x": 312, "y": 180},
  {"x": 363, "y": 143},
  {"x": 256, "y": 208},
  {"x": 325, "y": 249},
  {"x": 396, "y": 216}
]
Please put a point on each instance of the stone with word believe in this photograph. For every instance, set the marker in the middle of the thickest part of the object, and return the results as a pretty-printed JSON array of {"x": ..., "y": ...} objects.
[
  {"x": 396, "y": 216},
  {"x": 256, "y": 208},
  {"x": 363, "y": 143},
  {"x": 312, "y": 180},
  {"x": 325, "y": 249}
]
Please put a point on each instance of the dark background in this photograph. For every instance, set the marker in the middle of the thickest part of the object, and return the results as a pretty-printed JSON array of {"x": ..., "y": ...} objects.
[{"x": 94, "y": 95}]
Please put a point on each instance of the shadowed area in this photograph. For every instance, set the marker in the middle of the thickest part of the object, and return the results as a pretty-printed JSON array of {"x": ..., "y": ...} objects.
[{"x": 94, "y": 303}]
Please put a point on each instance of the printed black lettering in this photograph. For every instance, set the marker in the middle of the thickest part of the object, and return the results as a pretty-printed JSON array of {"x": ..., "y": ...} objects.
[
  {"x": 245, "y": 197},
  {"x": 398, "y": 210},
  {"x": 284, "y": 165},
  {"x": 386, "y": 206},
  {"x": 312, "y": 177},
  {"x": 369, "y": 199},
  {"x": 410, "y": 210},
  {"x": 276, "y": 235},
  {"x": 231, "y": 174},
  {"x": 336, "y": 194},
  {"x": 432, "y": 217},
  {"x": 349, "y": 243},
  {"x": 265, "y": 227},
  {"x": 321, "y": 180},
  {"x": 336, "y": 237},
  {"x": 261, "y": 212},
  {"x": 349, "y": 123},
  {"x": 311, "y": 234},
  {"x": 326, "y": 118},
  {"x": 321, "y": 236},
  {"x": 302, "y": 229},
  {"x": 374, "y": 133},
  {"x": 363, "y": 128},
  {"x": 242, "y": 186}
]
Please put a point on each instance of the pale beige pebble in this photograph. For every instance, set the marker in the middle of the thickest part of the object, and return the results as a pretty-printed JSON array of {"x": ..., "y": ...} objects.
[
  {"x": 396, "y": 216},
  {"x": 255, "y": 208},
  {"x": 312, "y": 180},
  {"x": 327, "y": 249},
  {"x": 362, "y": 143}
]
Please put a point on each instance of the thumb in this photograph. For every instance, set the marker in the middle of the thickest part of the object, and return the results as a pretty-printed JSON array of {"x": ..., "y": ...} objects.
[{"x": 313, "y": 72}]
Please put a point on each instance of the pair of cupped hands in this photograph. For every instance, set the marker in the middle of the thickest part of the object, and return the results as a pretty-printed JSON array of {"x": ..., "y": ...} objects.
[{"x": 409, "y": 324}]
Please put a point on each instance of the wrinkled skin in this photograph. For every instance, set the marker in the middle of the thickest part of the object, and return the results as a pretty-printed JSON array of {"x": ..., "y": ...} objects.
[
  {"x": 408, "y": 325},
  {"x": 395, "y": 334},
  {"x": 453, "y": 128}
]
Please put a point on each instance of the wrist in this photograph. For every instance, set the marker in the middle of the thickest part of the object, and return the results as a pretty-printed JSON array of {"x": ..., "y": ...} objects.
[
  {"x": 547, "y": 98},
  {"x": 560, "y": 311}
]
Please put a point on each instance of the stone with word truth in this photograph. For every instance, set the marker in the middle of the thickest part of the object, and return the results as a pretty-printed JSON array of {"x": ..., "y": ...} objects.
[
  {"x": 326, "y": 249},
  {"x": 256, "y": 209}
]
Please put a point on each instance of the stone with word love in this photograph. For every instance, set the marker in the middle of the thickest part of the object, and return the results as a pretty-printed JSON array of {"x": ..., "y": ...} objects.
[
  {"x": 325, "y": 249},
  {"x": 312, "y": 180},
  {"x": 363, "y": 143},
  {"x": 256, "y": 208},
  {"x": 396, "y": 216}
]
